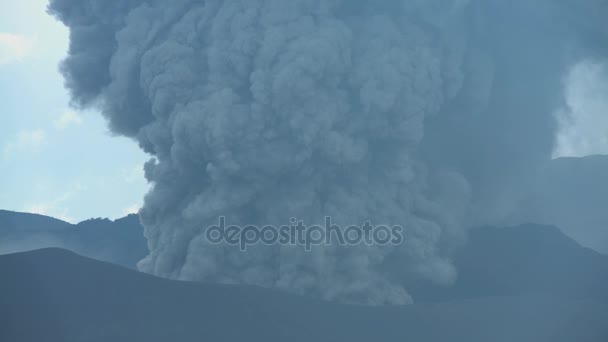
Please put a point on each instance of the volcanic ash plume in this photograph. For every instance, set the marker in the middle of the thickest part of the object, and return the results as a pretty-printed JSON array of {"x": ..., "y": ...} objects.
[{"x": 263, "y": 110}]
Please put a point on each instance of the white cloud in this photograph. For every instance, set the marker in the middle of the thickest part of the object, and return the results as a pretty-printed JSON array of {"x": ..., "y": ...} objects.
[
  {"x": 133, "y": 175},
  {"x": 583, "y": 124},
  {"x": 67, "y": 118},
  {"x": 133, "y": 209},
  {"x": 14, "y": 48},
  {"x": 47, "y": 209},
  {"x": 57, "y": 207},
  {"x": 26, "y": 141}
]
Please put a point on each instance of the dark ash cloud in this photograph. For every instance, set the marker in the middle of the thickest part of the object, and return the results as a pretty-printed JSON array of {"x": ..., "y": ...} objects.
[{"x": 417, "y": 113}]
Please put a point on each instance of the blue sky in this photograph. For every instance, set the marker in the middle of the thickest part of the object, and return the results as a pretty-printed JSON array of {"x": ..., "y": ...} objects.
[{"x": 54, "y": 160}]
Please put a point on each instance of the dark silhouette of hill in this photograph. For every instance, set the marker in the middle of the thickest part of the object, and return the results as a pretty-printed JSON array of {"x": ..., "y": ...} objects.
[
  {"x": 522, "y": 260},
  {"x": 120, "y": 241},
  {"x": 16, "y": 223},
  {"x": 54, "y": 295}
]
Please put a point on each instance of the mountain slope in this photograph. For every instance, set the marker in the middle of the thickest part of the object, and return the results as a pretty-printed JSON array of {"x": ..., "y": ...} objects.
[
  {"x": 528, "y": 259},
  {"x": 120, "y": 241},
  {"x": 54, "y": 295},
  {"x": 14, "y": 222},
  {"x": 571, "y": 193}
]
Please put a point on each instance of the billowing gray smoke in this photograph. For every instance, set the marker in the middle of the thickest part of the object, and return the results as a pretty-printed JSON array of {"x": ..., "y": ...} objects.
[{"x": 263, "y": 110}]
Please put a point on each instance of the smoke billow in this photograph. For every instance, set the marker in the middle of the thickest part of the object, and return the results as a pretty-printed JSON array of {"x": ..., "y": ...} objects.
[{"x": 263, "y": 110}]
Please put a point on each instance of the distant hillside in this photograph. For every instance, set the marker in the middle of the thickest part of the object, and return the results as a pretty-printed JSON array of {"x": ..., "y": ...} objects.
[
  {"x": 53, "y": 295},
  {"x": 17, "y": 223},
  {"x": 522, "y": 260},
  {"x": 571, "y": 193},
  {"x": 120, "y": 241}
]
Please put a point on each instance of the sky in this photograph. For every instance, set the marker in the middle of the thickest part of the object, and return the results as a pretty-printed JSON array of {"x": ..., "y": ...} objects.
[
  {"x": 55, "y": 160},
  {"x": 584, "y": 119}
]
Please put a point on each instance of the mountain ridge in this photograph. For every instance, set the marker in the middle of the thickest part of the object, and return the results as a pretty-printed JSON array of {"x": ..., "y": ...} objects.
[
  {"x": 72, "y": 298},
  {"x": 119, "y": 241}
]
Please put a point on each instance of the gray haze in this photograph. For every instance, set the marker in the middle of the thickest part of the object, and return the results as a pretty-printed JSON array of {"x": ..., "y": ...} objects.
[
  {"x": 571, "y": 193},
  {"x": 428, "y": 114}
]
